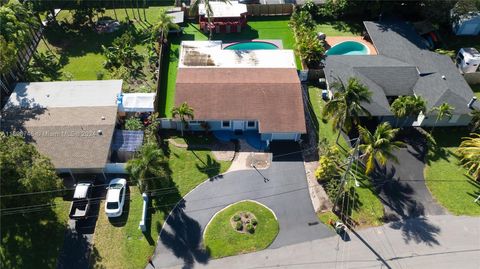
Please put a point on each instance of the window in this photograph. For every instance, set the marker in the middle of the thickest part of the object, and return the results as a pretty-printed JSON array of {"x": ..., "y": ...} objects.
[
  {"x": 251, "y": 124},
  {"x": 225, "y": 124},
  {"x": 121, "y": 195}
]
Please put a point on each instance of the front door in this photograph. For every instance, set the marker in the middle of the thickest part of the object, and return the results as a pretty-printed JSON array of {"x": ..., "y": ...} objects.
[{"x": 238, "y": 125}]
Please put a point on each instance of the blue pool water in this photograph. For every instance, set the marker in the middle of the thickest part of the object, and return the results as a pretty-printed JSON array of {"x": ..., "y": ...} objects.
[
  {"x": 252, "y": 45},
  {"x": 348, "y": 48}
]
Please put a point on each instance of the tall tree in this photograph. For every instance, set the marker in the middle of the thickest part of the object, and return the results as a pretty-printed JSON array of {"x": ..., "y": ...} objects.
[
  {"x": 148, "y": 168},
  {"x": 208, "y": 12},
  {"x": 163, "y": 25},
  {"x": 347, "y": 105},
  {"x": 469, "y": 151},
  {"x": 444, "y": 111},
  {"x": 183, "y": 111},
  {"x": 379, "y": 145},
  {"x": 24, "y": 170}
]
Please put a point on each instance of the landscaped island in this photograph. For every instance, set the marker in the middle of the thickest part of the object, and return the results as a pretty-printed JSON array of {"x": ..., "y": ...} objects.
[{"x": 240, "y": 228}]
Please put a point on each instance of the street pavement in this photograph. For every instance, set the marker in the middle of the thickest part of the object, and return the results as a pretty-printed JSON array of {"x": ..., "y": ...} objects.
[
  {"x": 282, "y": 187},
  {"x": 441, "y": 241}
]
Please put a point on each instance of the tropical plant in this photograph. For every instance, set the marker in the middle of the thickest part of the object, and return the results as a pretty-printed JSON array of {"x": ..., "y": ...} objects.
[
  {"x": 122, "y": 53},
  {"x": 148, "y": 168},
  {"x": 444, "y": 111},
  {"x": 469, "y": 151},
  {"x": 309, "y": 48},
  {"x": 328, "y": 164},
  {"x": 475, "y": 123},
  {"x": 208, "y": 10},
  {"x": 183, "y": 111},
  {"x": 347, "y": 105},
  {"x": 301, "y": 19},
  {"x": 151, "y": 130},
  {"x": 25, "y": 170},
  {"x": 133, "y": 124},
  {"x": 164, "y": 24},
  {"x": 379, "y": 145},
  {"x": 44, "y": 66},
  {"x": 408, "y": 106}
]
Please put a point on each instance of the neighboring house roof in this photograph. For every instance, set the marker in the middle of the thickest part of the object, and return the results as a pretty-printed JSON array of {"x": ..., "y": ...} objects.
[
  {"x": 273, "y": 96},
  {"x": 404, "y": 66},
  {"x": 70, "y": 122}
]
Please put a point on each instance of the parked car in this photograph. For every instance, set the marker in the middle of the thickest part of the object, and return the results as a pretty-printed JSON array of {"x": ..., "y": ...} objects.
[
  {"x": 81, "y": 201},
  {"x": 115, "y": 197}
]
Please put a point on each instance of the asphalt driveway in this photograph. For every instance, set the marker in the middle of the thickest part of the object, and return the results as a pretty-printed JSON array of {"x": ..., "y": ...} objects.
[
  {"x": 402, "y": 185},
  {"x": 282, "y": 187}
]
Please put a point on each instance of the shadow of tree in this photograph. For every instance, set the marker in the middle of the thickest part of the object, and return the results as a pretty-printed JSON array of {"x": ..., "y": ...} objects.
[
  {"x": 417, "y": 229},
  {"x": 78, "y": 252},
  {"x": 183, "y": 235},
  {"x": 209, "y": 167}
]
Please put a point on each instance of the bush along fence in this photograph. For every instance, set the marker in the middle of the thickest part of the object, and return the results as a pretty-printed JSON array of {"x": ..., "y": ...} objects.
[{"x": 308, "y": 46}]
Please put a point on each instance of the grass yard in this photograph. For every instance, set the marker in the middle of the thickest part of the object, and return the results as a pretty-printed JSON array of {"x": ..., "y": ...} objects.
[
  {"x": 365, "y": 207},
  {"x": 222, "y": 240},
  {"x": 340, "y": 28},
  {"x": 132, "y": 248},
  {"x": 447, "y": 180},
  {"x": 476, "y": 90},
  {"x": 33, "y": 240}
]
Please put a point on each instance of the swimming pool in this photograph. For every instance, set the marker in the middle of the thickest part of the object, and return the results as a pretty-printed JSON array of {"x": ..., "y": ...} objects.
[
  {"x": 348, "y": 48},
  {"x": 252, "y": 45}
]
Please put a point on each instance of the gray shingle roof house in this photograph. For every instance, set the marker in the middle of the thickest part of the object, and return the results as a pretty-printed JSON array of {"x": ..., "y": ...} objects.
[
  {"x": 71, "y": 122},
  {"x": 404, "y": 66}
]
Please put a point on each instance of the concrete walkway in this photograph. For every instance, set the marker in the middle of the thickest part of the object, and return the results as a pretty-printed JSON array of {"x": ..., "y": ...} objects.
[
  {"x": 435, "y": 242},
  {"x": 282, "y": 187}
]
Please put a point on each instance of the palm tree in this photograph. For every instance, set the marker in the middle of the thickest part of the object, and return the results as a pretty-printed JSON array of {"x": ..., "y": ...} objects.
[
  {"x": 408, "y": 106},
  {"x": 163, "y": 25},
  {"x": 470, "y": 152},
  {"x": 443, "y": 111},
  {"x": 208, "y": 10},
  {"x": 378, "y": 146},
  {"x": 475, "y": 120},
  {"x": 346, "y": 106},
  {"x": 148, "y": 168},
  {"x": 184, "y": 111}
]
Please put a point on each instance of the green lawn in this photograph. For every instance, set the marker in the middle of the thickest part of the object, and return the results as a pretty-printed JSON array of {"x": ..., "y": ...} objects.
[
  {"x": 222, "y": 240},
  {"x": 340, "y": 28},
  {"x": 132, "y": 248},
  {"x": 33, "y": 240},
  {"x": 447, "y": 179},
  {"x": 366, "y": 210},
  {"x": 476, "y": 90}
]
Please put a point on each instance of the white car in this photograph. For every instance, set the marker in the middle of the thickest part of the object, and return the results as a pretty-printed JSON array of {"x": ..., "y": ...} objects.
[{"x": 115, "y": 197}]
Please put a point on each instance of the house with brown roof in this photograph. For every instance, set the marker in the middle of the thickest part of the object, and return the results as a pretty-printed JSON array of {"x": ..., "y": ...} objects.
[
  {"x": 237, "y": 91},
  {"x": 71, "y": 122}
]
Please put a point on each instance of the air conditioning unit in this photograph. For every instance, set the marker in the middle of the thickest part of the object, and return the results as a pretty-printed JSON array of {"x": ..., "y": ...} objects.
[{"x": 468, "y": 60}]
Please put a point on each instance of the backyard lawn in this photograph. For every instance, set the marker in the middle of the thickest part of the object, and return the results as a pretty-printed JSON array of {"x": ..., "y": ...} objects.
[
  {"x": 33, "y": 240},
  {"x": 476, "y": 90},
  {"x": 365, "y": 207},
  {"x": 222, "y": 239},
  {"x": 447, "y": 179},
  {"x": 132, "y": 248}
]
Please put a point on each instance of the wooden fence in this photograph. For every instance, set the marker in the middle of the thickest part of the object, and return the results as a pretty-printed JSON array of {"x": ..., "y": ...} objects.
[{"x": 270, "y": 10}]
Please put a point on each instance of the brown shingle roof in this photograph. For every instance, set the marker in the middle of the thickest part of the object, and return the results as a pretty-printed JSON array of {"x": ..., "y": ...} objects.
[
  {"x": 67, "y": 135},
  {"x": 273, "y": 96}
]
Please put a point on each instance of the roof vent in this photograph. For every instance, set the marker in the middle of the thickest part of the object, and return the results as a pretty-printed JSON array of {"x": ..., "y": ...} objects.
[
  {"x": 48, "y": 95},
  {"x": 99, "y": 132},
  {"x": 470, "y": 104},
  {"x": 103, "y": 117},
  {"x": 443, "y": 77}
]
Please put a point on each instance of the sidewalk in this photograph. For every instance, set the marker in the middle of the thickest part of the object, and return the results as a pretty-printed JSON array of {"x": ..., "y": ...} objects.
[{"x": 437, "y": 242}]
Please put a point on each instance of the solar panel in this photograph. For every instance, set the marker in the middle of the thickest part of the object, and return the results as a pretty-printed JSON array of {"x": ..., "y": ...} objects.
[{"x": 124, "y": 140}]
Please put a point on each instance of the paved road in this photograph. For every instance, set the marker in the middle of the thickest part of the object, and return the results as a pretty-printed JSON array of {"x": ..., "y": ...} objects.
[
  {"x": 285, "y": 193},
  {"x": 439, "y": 242},
  {"x": 402, "y": 185}
]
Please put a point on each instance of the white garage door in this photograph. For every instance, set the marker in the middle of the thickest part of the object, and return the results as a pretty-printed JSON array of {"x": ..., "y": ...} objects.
[{"x": 284, "y": 136}]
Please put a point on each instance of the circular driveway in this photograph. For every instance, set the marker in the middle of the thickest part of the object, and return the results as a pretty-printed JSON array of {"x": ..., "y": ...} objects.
[{"x": 282, "y": 187}]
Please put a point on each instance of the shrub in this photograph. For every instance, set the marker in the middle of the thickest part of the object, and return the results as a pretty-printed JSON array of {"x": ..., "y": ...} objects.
[
  {"x": 326, "y": 170},
  {"x": 239, "y": 226},
  {"x": 250, "y": 228},
  {"x": 254, "y": 222},
  {"x": 236, "y": 218},
  {"x": 133, "y": 124}
]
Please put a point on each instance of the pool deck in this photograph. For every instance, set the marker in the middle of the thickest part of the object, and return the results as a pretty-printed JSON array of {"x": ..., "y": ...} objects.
[{"x": 334, "y": 40}]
